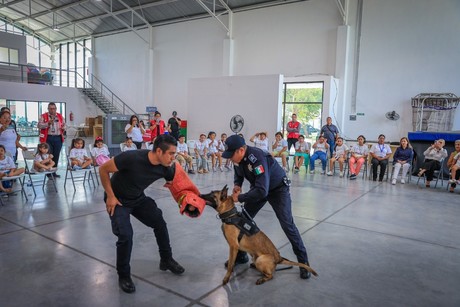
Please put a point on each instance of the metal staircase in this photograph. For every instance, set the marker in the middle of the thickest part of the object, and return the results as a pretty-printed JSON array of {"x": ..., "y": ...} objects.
[{"x": 104, "y": 98}]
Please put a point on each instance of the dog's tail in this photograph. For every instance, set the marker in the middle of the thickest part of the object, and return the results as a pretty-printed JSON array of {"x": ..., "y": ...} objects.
[{"x": 302, "y": 265}]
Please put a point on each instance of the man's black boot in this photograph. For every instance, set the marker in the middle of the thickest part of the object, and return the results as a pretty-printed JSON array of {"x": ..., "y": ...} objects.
[
  {"x": 241, "y": 257},
  {"x": 126, "y": 284},
  {"x": 172, "y": 265}
]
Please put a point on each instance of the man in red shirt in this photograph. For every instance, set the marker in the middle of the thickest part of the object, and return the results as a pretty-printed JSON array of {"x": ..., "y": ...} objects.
[{"x": 293, "y": 129}]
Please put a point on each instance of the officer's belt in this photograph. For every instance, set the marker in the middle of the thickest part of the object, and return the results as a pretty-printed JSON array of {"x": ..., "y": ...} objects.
[{"x": 245, "y": 225}]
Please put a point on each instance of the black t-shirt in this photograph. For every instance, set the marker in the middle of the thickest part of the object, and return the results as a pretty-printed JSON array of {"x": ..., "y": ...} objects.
[
  {"x": 173, "y": 123},
  {"x": 135, "y": 174}
]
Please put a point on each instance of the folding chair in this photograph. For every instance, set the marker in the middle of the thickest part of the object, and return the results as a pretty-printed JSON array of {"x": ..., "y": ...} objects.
[
  {"x": 436, "y": 175},
  {"x": 191, "y": 145},
  {"x": 37, "y": 178},
  {"x": 20, "y": 179},
  {"x": 83, "y": 175}
]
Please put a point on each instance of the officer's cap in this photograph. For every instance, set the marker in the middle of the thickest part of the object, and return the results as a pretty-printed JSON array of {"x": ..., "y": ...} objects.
[{"x": 233, "y": 143}]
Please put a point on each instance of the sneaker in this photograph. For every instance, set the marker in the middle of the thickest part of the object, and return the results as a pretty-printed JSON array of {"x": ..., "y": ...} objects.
[
  {"x": 452, "y": 181},
  {"x": 328, "y": 173},
  {"x": 213, "y": 168},
  {"x": 393, "y": 182},
  {"x": 352, "y": 176},
  {"x": 200, "y": 171},
  {"x": 312, "y": 172},
  {"x": 341, "y": 174},
  {"x": 403, "y": 181},
  {"x": 190, "y": 171},
  {"x": 221, "y": 168},
  {"x": 205, "y": 171},
  {"x": 172, "y": 265},
  {"x": 76, "y": 168},
  {"x": 323, "y": 172}
]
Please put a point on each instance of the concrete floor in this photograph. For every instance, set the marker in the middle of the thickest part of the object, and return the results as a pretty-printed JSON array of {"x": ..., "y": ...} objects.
[{"x": 372, "y": 244}]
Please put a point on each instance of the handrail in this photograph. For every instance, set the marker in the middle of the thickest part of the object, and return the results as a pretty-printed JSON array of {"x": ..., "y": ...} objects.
[{"x": 29, "y": 73}]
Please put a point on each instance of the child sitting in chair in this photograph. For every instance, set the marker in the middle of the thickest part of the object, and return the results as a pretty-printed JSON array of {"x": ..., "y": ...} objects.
[
  {"x": 100, "y": 152},
  {"x": 78, "y": 155},
  {"x": 7, "y": 169},
  {"x": 129, "y": 145},
  {"x": 43, "y": 160}
]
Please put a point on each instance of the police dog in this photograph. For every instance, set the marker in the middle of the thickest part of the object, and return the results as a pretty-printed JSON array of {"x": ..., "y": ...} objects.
[{"x": 264, "y": 254}]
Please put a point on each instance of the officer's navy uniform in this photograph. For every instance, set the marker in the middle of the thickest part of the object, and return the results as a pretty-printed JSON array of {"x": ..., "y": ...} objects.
[{"x": 269, "y": 183}]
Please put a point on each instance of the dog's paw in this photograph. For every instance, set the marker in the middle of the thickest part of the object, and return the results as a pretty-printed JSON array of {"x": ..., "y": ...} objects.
[{"x": 260, "y": 281}]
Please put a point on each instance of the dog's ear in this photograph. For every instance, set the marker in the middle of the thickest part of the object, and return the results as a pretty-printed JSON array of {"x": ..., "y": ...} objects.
[{"x": 224, "y": 193}]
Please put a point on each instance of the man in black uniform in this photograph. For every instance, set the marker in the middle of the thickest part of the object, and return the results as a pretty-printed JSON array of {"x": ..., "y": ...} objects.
[
  {"x": 268, "y": 183},
  {"x": 133, "y": 171}
]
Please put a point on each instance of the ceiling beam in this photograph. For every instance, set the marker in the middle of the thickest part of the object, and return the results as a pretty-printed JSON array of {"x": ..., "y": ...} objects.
[{"x": 54, "y": 10}]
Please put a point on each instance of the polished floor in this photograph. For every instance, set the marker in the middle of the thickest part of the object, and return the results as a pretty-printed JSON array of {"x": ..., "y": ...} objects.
[{"x": 372, "y": 244}]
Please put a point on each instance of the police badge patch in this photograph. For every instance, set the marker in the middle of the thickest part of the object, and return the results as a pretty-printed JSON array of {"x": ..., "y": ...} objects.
[{"x": 252, "y": 158}]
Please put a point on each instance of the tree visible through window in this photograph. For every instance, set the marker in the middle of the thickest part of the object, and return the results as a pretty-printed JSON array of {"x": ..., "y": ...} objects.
[{"x": 305, "y": 100}]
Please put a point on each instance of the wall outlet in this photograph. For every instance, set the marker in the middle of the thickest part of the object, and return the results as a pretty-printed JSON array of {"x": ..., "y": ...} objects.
[{"x": 353, "y": 117}]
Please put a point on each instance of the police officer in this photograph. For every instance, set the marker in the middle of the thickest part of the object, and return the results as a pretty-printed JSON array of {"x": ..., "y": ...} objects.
[{"x": 268, "y": 183}]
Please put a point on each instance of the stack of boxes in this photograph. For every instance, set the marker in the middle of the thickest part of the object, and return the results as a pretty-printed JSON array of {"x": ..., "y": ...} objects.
[{"x": 93, "y": 126}]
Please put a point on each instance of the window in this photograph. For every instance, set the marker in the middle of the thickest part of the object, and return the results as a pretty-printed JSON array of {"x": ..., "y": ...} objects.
[
  {"x": 8, "y": 55},
  {"x": 306, "y": 100}
]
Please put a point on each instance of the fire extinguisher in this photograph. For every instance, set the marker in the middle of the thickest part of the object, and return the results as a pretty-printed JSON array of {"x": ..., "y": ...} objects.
[{"x": 71, "y": 116}]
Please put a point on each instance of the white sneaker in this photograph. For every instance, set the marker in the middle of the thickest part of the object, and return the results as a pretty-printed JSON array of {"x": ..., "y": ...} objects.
[
  {"x": 312, "y": 172},
  {"x": 213, "y": 168},
  {"x": 393, "y": 182},
  {"x": 403, "y": 181},
  {"x": 341, "y": 174},
  {"x": 452, "y": 181},
  {"x": 221, "y": 168},
  {"x": 323, "y": 172},
  {"x": 329, "y": 173}
]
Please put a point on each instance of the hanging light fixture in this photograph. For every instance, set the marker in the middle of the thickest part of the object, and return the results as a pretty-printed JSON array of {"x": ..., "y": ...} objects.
[{"x": 55, "y": 27}]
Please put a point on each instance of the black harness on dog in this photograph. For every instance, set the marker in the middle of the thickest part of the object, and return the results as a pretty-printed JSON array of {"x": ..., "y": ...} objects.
[{"x": 242, "y": 220}]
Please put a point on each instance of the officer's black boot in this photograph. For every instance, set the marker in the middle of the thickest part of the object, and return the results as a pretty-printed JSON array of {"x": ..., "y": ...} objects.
[
  {"x": 241, "y": 258},
  {"x": 304, "y": 274}
]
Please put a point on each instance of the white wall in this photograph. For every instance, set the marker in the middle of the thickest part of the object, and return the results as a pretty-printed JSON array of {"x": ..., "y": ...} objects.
[
  {"x": 213, "y": 102},
  {"x": 407, "y": 47},
  {"x": 289, "y": 39}
]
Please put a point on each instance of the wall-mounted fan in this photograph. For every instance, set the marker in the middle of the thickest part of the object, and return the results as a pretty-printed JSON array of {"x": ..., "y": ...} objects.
[
  {"x": 392, "y": 115},
  {"x": 236, "y": 123}
]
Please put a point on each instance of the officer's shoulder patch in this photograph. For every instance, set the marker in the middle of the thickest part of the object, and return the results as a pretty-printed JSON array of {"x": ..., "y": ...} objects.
[
  {"x": 259, "y": 170},
  {"x": 252, "y": 158}
]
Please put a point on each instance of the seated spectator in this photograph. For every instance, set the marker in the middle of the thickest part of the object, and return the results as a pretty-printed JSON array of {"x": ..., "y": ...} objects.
[
  {"x": 279, "y": 148},
  {"x": 182, "y": 155},
  {"x": 450, "y": 163},
  {"x": 213, "y": 151},
  {"x": 222, "y": 146},
  {"x": 380, "y": 154},
  {"x": 7, "y": 169},
  {"x": 358, "y": 157},
  {"x": 402, "y": 158},
  {"x": 321, "y": 147},
  {"x": 100, "y": 152},
  {"x": 433, "y": 157},
  {"x": 129, "y": 145},
  {"x": 260, "y": 141},
  {"x": 340, "y": 154},
  {"x": 201, "y": 152},
  {"x": 78, "y": 155},
  {"x": 302, "y": 154},
  {"x": 43, "y": 160}
]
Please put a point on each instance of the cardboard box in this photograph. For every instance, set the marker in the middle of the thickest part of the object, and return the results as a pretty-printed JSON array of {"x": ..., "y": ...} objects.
[
  {"x": 98, "y": 120},
  {"x": 88, "y": 131},
  {"x": 97, "y": 130},
  {"x": 89, "y": 121}
]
